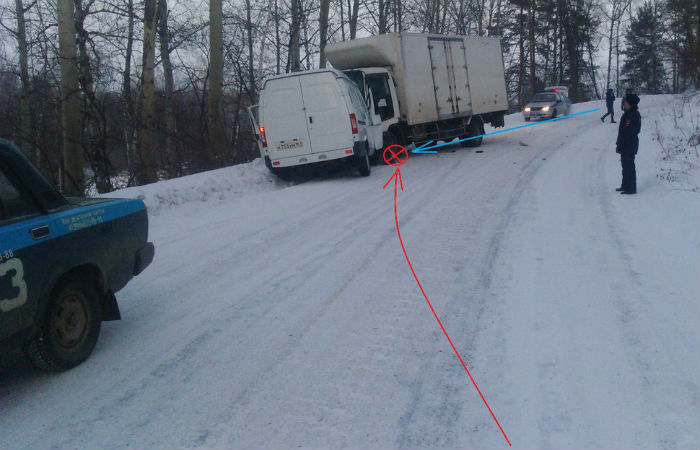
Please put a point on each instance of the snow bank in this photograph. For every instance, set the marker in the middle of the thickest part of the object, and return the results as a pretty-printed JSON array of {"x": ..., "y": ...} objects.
[
  {"x": 205, "y": 187},
  {"x": 676, "y": 130}
]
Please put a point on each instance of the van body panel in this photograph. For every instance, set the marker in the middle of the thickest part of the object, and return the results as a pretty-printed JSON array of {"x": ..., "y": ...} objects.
[
  {"x": 327, "y": 116},
  {"x": 306, "y": 118},
  {"x": 284, "y": 119}
]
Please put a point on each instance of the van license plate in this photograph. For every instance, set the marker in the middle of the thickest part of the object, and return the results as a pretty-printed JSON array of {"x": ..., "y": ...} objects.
[{"x": 286, "y": 145}]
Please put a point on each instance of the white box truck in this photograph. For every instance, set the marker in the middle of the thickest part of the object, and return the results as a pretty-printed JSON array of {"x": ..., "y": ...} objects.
[
  {"x": 426, "y": 86},
  {"x": 314, "y": 117}
]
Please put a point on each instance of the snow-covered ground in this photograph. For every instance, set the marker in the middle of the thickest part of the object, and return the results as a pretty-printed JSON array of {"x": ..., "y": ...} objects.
[{"x": 279, "y": 316}]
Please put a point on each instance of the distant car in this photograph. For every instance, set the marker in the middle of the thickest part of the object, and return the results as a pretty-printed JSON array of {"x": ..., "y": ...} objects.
[
  {"x": 314, "y": 117},
  {"x": 547, "y": 105},
  {"x": 61, "y": 262}
]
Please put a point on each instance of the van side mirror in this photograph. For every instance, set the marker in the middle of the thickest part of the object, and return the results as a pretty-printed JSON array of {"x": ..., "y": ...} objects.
[{"x": 381, "y": 103}]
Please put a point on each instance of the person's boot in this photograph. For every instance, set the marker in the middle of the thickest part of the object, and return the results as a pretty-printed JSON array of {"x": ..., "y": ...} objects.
[
  {"x": 602, "y": 119},
  {"x": 620, "y": 189},
  {"x": 612, "y": 121}
]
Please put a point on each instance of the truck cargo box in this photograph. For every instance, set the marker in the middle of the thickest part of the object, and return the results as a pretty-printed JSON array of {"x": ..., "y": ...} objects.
[{"x": 437, "y": 77}]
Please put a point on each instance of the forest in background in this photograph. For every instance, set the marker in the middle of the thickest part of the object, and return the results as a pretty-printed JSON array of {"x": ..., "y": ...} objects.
[{"x": 103, "y": 94}]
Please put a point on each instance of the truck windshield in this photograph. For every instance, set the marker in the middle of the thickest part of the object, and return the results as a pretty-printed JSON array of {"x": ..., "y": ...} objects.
[{"x": 378, "y": 83}]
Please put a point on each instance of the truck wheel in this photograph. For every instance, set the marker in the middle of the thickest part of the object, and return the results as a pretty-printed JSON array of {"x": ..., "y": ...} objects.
[
  {"x": 554, "y": 114},
  {"x": 70, "y": 327},
  {"x": 476, "y": 128},
  {"x": 389, "y": 139},
  {"x": 363, "y": 164}
]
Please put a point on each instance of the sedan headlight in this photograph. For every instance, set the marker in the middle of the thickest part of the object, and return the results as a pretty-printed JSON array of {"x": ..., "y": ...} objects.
[
  {"x": 545, "y": 108},
  {"x": 527, "y": 109}
]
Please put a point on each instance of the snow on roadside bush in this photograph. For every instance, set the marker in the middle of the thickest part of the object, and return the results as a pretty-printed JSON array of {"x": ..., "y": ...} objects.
[
  {"x": 677, "y": 131},
  {"x": 212, "y": 186}
]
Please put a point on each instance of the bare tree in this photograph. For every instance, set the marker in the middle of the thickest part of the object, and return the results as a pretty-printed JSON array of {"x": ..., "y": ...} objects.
[
  {"x": 323, "y": 30},
  {"x": 164, "y": 38},
  {"x": 148, "y": 126},
  {"x": 73, "y": 178},
  {"x": 217, "y": 134},
  {"x": 252, "y": 91},
  {"x": 294, "y": 59},
  {"x": 26, "y": 118},
  {"x": 618, "y": 8}
]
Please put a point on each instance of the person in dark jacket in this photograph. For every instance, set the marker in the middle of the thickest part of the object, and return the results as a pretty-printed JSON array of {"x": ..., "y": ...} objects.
[
  {"x": 609, "y": 101},
  {"x": 628, "y": 143}
]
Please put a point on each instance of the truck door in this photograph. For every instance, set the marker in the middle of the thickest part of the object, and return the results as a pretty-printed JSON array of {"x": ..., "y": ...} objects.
[
  {"x": 327, "y": 118},
  {"x": 459, "y": 58},
  {"x": 443, "y": 84},
  {"x": 283, "y": 118}
]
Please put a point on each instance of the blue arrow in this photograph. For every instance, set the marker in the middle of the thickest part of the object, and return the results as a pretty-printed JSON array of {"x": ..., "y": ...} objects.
[{"x": 423, "y": 148}]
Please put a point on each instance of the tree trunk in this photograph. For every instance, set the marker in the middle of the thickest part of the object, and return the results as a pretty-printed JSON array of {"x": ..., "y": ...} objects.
[
  {"x": 147, "y": 129},
  {"x": 129, "y": 111},
  {"x": 531, "y": 23},
  {"x": 171, "y": 152},
  {"x": 217, "y": 134},
  {"x": 342, "y": 21},
  {"x": 278, "y": 44},
  {"x": 26, "y": 118},
  {"x": 521, "y": 66},
  {"x": 252, "y": 90},
  {"x": 323, "y": 31},
  {"x": 353, "y": 18},
  {"x": 73, "y": 178},
  {"x": 294, "y": 38}
]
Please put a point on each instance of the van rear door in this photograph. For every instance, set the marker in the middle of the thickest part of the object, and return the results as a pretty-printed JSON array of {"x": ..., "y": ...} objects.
[
  {"x": 327, "y": 115},
  {"x": 284, "y": 118}
]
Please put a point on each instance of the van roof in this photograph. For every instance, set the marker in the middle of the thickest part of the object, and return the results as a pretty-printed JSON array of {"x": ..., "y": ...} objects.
[{"x": 335, "y": 72}]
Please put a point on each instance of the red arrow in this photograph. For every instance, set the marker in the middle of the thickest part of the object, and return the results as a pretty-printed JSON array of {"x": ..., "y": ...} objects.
[{"x": 397, "y": 178}]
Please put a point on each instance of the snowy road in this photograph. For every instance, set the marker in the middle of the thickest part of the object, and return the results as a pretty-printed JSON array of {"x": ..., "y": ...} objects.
[{"x": 288, "y": 318}]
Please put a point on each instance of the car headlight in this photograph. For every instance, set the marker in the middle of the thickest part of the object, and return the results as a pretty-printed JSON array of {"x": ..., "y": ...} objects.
[
  {"x": 527, "y": 109},
  {"x": 545, "y": 108}
]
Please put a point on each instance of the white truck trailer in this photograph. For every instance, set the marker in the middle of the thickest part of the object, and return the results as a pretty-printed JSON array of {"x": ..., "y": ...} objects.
[{"x": 426, "y": 86}]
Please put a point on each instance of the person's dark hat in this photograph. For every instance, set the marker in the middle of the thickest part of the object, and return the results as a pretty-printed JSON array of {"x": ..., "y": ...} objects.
[{"x": 632, "y": 99}]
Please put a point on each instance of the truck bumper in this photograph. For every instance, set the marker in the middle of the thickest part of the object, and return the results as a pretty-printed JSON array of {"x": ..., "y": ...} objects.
[{"x": 144, "y": 257}]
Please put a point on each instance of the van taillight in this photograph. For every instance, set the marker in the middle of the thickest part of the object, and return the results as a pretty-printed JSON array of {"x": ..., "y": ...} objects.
[
  {"x": 262, "y": 136},
  {"x": 353, "y": 123}
]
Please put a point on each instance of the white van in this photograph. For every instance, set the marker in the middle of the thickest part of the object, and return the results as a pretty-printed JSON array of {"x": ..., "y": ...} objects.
[{"x": 315, "y": 116}]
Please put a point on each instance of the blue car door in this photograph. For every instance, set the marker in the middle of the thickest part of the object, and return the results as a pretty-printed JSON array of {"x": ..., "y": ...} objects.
[{"x": 23, "y": 227}]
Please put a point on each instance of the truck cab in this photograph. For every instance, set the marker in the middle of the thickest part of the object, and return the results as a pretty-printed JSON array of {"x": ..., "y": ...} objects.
[
  {"x": 378, "y": 82},
  {"x": 61, "y": 262}
]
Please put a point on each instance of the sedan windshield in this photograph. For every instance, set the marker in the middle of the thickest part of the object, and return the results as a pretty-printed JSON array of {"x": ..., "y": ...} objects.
[{"x": 544, "y": 97}]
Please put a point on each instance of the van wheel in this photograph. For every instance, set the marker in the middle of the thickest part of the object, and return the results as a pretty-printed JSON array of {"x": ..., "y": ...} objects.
[
  {"x": 554, "y": 114},
  {"x": 476, "y": 128},
  {"x": 363, "y": 164},
  {"x": 70, "y": 327},
  {"x": 284, "y": 173}
]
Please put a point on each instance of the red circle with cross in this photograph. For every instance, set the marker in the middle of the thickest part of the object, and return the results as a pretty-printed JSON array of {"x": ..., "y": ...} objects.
[{"x": 395, "y": 155}]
